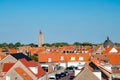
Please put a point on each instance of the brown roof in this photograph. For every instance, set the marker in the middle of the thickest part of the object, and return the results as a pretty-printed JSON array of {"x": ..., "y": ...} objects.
[{"x": 86, "y": 74}]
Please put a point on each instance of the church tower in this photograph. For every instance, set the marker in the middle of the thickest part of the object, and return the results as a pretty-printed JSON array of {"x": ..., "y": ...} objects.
[
  {"x": 40, "y": 39},
  {"x": 108, "y": 43}
]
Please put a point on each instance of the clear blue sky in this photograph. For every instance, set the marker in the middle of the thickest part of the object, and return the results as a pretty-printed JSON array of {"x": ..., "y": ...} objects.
[{"x": 60, "y": 20}]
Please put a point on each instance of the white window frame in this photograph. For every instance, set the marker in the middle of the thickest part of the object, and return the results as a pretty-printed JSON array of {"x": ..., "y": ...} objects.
[
  {"x": 72, "y": 58},
  {"x": 81, "y": 58},
  {"x": 62, "y": 58},
  {"x": 49, "y": 60},
  {"x": 7, "y": 77}
]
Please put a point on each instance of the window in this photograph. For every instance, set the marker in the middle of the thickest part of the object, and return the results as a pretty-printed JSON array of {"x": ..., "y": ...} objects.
[
  {"x": 49, "y": 60},
  {"x": 72, "y": 58},
  {"x": 86, "y": 51},
  {"x": 16, "y": 78},
  {"x": 64, "y": 51},
  {"x": 45, "y": 69},
  {"x": 7, "y": 77},
  {"x": 80, "y": 58},
  {"x": 62, "y": 58}
]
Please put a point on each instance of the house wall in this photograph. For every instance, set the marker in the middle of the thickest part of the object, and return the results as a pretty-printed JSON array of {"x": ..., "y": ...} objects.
[
  {"x": 43, "y": 78},
  {"x": 12, "y": 75},
  {"x": 98, "y": 74},
  {"x": 73, "y": 64},
  {"x": 63, "y": 65},
  {"x": 19, "y": 64},
  {"x": 76, "y": 64},
  {"x": 76, "y": 72},
  {"x": 53, "y": 73},
  {"x": 116, "y": 75},
  {"x": 7, "y": 59},
  {"x": 108, "y": 67}
]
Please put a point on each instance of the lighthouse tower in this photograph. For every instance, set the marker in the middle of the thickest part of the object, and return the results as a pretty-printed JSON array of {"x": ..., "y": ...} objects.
[{"x": 40, "y": 39}]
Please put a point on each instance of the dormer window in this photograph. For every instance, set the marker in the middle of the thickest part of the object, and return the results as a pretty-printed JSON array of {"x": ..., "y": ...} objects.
[
  {"x": 86, "y": 51},
  {"x": 82, "y": 51},
  {"x": 49, "y": 59},
  {"x": 67, "y": 51},
  {"x": 80, "y": 58},
  {"x": 75, "y": 51},
  {"x": 62, "y": 58},
  {"x": 72, "y": 58},
  {"x": 64, "y": 51}
]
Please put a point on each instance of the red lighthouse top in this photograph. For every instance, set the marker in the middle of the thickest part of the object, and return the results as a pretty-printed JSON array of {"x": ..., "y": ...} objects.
[{"x": 40, "y": 32}]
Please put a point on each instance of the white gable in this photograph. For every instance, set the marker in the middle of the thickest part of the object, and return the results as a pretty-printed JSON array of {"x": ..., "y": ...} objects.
[
  {"x": 113, "y": 50},
  {"x": 98, "y": 74},
  {"x": 34, "y": 69}
]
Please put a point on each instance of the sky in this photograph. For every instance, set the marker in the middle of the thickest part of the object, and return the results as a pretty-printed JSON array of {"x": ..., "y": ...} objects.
[{"x": 59, "y": 20}]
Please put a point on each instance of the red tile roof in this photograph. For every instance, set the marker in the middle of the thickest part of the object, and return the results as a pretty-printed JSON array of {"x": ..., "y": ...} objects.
[
  {"x": 23, "y": 74},
  {"x": 0, "y": 49},
  {"x": 118, "y": 48},
  {"x": 7, "y": 66},
  {"x": 114, "y": 59},
  {"x": 56, "y": 57},
  {"x": 116, "y": 71},
  {"x": 12, "y": 51},
  {"x": 68, "y": 47},
  {"x": 103, "y": 69},
  {"x": 34, "y": 50},
  {"x": 33, "y": 63},
  {"x": 107, "y": 50},
  {"x": 2, "y": 56}
]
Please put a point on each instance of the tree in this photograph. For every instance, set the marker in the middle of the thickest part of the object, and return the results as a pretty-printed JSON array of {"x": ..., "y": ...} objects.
[
  {"x": 0, "y": 45},
  {"x": 11, "y": 45},
  {"x": 32, "y": 45},
  {"x": 77, "y": 43},
  {"x": 18, "y": 44},
  {"x": 60, "y": 44},
  {"x": 34, "y": 58},
  {"x": 47, "y": 44},
  {"x": 117, "y": 44},
  {"x": 87, "y": 44},
  {"x": 4, "y": 45}
]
